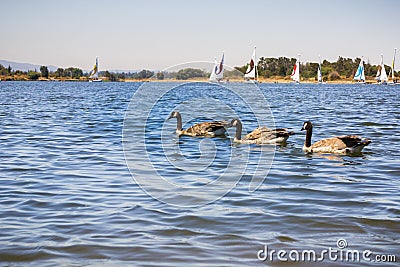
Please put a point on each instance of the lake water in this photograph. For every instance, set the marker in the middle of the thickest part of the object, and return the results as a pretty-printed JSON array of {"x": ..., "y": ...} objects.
[{"x": 94, "y": 174}]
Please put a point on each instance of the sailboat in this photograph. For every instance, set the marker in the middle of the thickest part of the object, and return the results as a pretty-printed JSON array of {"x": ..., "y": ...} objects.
[
  {"x": 94, "y": 74},
  {"x": 394, "y": 81},
  {"x": 381, "y": 75},
  {"x": 319, "y": 72},
  {"x": 251, "y": 73},
  {"x": 217, "y": 72},
  {"x": 360, "y": 73},
  {"x": 296, "y": 71}
]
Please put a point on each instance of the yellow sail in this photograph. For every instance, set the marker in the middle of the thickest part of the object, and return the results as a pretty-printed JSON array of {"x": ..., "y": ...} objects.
[{"x": 94, "y": 76}]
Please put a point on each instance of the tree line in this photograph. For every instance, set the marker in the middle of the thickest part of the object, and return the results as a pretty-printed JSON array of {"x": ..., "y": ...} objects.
[
  {"x": 343, "y": 68},
  {"x": 73, "y": 73},
  {"x": 70, "y": 73}
]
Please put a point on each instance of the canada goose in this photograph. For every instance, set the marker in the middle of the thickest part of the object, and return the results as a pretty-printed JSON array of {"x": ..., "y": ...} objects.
[
  {"x": 261, "y": 135},
  {"x": 207, "y": 129},
  {"x": 345, "y": 144}
]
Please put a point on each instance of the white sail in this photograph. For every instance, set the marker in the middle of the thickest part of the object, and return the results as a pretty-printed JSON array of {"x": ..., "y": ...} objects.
[
  {"x": 296, "y": 71},
  {"x": 360, "y": 73},
  {"x": 392, "y": 67},
  {"x": 251, "y": 72},
  {"x": 319, "y": 73},
  {"x": 384, "y": 77},
  {"x": 213, "y": 77},
  {"x": 378, "y": 73},
  {"x": 381, "y": 75},
  {"x": 217, "y": 72}
]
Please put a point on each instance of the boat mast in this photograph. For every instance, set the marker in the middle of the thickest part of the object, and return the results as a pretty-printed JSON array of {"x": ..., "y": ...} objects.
[
  {"x": 320, "y": 70},
  {"x": 298, "y": 68},
  {"x": 256, "y": 63},
  {"x": 362, "y": 78},
  {"x": 394, "y": 59}
]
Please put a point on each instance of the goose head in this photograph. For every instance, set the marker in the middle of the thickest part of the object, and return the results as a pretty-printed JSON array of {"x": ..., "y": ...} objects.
[
  {"x": 234, "y": 123},
  {"x": 177, "y": 115},
  {"x": 174, "y": 114},
  {"x": 307, "y": 126}
]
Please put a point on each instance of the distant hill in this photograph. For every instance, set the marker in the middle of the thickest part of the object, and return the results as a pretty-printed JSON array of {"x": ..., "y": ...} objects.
[{"x": 24, "y": 66}]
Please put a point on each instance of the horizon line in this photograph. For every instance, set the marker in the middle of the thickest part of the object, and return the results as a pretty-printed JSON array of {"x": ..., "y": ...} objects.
[{"x": 171, "y": 66}]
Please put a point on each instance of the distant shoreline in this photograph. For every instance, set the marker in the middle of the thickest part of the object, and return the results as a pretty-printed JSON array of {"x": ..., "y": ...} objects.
[{"x": 234, "y": 80}]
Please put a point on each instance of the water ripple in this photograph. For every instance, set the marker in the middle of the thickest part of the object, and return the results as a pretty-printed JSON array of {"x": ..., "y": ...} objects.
[{"x": 67, "y": 197}]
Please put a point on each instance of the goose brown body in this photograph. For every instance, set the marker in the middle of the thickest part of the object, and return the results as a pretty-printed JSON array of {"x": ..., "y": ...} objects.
[
  {"x": 345, "y": 144},
  {"x": 206, "y": 129},
  {"x": 261, "y": 135}
]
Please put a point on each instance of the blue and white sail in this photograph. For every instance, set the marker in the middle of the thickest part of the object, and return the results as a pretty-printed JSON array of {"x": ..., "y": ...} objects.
[{"x": 360, "y": 73}]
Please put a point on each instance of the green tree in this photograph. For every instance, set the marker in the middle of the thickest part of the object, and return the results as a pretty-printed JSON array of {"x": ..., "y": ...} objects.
[
  {"x": 44, "y": 71},
  {"x": 333, "y": 76},
  {"x": 3, "y": 70},
  {"x": 59, "y": 72},
  {"x": 33, "y": 75},
  {"x": 190, "y": 73},
  {"x": 268, "y": 67},
  {"x": 72, "y": 72},
  {"x": 111, "y": 76},
  {"x": 107, "y": 74},
  {"x": 144, "y": 74},
  {"x": 121, "y": 76},
  {"x": 160, "y": 75}
]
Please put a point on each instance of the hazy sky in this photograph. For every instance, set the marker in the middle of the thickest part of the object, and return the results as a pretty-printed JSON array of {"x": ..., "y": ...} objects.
[{"x": 155, "y": 34}]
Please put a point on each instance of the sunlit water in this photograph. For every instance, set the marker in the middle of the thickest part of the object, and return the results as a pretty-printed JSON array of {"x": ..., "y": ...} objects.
[{"x": 67, "y": 196}]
